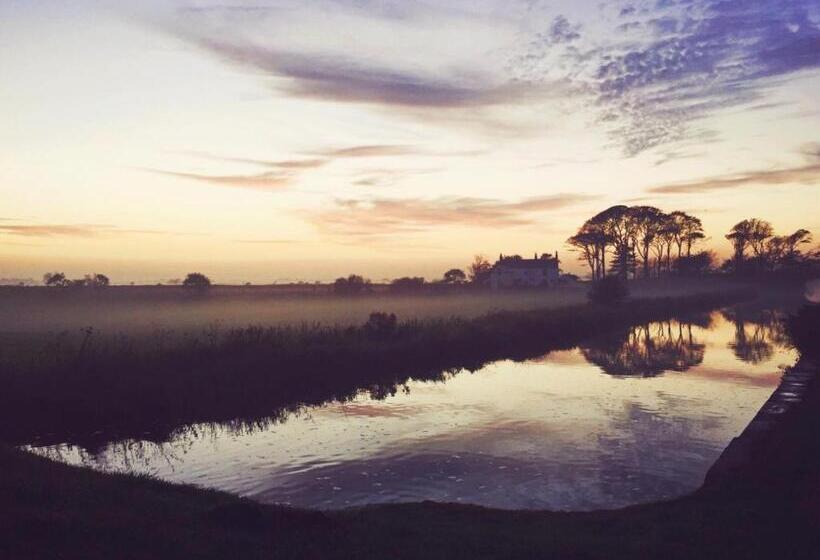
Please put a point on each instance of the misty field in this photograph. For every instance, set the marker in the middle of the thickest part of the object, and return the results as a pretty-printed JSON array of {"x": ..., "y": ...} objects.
[{"x": 146, "y": 309}]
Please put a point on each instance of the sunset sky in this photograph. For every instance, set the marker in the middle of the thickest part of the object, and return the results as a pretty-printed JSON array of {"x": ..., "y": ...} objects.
[{"x": 275, "y": 141}]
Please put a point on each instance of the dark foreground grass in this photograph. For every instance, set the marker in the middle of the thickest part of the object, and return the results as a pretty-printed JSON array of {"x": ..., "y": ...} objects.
[{"x": 121, "y": 387}]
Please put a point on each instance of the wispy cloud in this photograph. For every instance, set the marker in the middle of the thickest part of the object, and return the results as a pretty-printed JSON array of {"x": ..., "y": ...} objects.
[
  {"x": 382, "y": 216},
  {"x": 267, "y": 181},
  {"x": 285, "y": 164},
  {"x": 70, "y": 230},
  {"x": 672, "y": 63},
  {"x": 805, "y": 174},
  {"x": 268, "y": 241},
  {"x": 337, "y": 78}
]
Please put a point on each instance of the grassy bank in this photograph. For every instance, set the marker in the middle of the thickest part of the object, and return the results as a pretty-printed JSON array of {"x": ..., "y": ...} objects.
[{"x": 122, "y": 386}]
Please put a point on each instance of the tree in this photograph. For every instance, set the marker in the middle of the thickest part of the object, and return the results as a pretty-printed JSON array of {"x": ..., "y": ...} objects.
[
  {"x": 646, "y": 225},
  {"x": 692, "y": 232},
  {"x": 792, "y": 242},
  {"x": 56, "y": 279},
  {"x": 748, "y": 233},
  {"x": 353, "y": 284},
  {"x": 623, "y": 262},
  {"x": 584, "y": 243},
  {"x": 480, "y": 270},
  {"x": 196, "y": 281},
  {"x": 695, "y": 265},
  {"x": 454, "y": 276},
  {"x": 407, "y": 284},
  {"x": 96, "y": 280}
]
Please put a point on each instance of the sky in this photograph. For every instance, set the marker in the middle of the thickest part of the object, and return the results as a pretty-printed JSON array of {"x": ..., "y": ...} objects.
[{"x": 275, "y": 141}]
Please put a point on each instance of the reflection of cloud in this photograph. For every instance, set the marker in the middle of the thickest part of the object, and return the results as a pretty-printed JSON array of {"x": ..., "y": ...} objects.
[{"x": 386, "y": 216}]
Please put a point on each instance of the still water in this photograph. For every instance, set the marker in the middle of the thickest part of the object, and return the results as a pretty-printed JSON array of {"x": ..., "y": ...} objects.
[{"x": 633, "y": 417}]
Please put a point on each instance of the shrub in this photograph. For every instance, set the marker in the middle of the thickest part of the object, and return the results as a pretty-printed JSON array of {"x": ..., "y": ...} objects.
[
  {"x": 803, "y": 328},
  {"x": 380, "y": 325},
  {"x": 353, "y": 284},
  {"x": 407, "y": 284},
  {"x": 608, "y": 291},
  {"x": 196, "y": 281}
]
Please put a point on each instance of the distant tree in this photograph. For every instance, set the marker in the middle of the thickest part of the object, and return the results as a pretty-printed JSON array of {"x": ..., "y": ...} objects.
[
  {"x": 96, "y": 280},
  {"x": 751, "y": 233},
  {"x": 56, "y": 279},
  {"x": 698, "y": 264},
  {"x": 353, "y": 284},
  {"x": 407, "y": 284},
  {"x": 454, "y": 276},
  {"x": 480, "y": 270},
  {"x": 196, "y": 281}
]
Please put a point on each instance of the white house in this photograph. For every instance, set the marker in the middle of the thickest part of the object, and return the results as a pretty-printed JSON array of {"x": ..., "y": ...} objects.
[{"x": 515, "y": 271}]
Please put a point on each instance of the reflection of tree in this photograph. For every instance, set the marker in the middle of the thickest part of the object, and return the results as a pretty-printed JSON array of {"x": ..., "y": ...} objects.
[
  {"x": 757, "y": 334},
  {"x": 647, "y": 350}
]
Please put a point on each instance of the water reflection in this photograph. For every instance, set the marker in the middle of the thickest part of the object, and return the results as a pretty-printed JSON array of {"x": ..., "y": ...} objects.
[
  {"x": 598, "y": 426},
  {"x": 757, "y": 333},
  {"x": 647, "y": 350}
]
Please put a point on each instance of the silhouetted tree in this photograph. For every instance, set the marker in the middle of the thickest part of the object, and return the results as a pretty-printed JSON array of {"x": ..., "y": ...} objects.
[
  {"x": 698, "y": 264},
  {"x": 407, "y": 284},
  {"x": 623, "y": 262},
  {"x": 196, "y": 281},
  {"x": 647, "y": 221},
  {"x": 454, "y": 276},
  {"x": 635, "y": 234},
  {"x": 56, "y": 279},
  {"x": 96, "y": 280},
  {"x": 353, "y": 284},
  {"x": 751, "y": 233},
  {"x": 480, "y": 270}
]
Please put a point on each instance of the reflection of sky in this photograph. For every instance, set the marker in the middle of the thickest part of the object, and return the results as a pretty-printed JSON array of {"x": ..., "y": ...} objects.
[{"x": 554, "y": 433}]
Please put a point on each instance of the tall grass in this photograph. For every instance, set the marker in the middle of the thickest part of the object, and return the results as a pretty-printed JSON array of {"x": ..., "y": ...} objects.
[{"x": 126, "y": 385}]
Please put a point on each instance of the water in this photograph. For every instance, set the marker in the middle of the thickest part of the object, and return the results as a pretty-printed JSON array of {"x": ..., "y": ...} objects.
[{"x": 634, "y": 417}]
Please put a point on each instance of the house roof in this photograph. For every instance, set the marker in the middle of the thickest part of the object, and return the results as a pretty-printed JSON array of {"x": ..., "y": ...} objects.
[{"x": 509, "y": 263}]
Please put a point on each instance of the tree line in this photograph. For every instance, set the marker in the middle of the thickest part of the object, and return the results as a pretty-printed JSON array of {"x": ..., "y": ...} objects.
[{"x": 644, "y": 241}]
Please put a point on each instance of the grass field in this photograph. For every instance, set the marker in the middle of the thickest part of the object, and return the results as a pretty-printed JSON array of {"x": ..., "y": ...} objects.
[{"x": 144, "y": 309}]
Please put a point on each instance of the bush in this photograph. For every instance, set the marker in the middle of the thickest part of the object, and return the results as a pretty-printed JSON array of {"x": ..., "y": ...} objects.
[
  {"x": 380, "y": 325},
  {"x": 608, "y": 291},
  {"x": 353, "y": 284},
  {"x": 803, "y": 328},
  {"x": 196, "y": 281},
  {"x": 407, "y": 284}
]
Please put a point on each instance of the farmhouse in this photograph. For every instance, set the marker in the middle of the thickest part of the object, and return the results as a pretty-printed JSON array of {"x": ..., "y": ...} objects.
[{"x": 515, "y": 271}]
